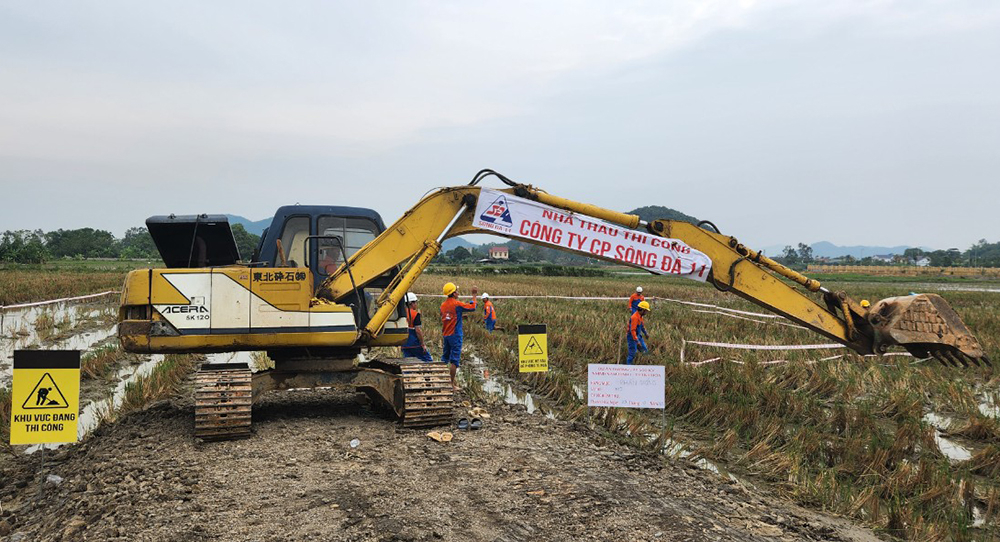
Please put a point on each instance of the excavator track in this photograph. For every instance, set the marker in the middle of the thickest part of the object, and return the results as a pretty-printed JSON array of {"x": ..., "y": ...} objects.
[
  {"x": 223, "y": 399},
  {"x": 427, "y": 394}
]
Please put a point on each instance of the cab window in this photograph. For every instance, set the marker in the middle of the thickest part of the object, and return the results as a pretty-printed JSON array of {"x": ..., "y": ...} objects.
[
  {"x": 293, "y": 238},
  {"x": 349, "y": 233}
]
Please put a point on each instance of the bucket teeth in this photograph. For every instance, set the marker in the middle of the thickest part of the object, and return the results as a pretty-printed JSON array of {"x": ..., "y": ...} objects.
[
  {"x": 222, "y": 404},
  {"x": 926, "y": 324}
]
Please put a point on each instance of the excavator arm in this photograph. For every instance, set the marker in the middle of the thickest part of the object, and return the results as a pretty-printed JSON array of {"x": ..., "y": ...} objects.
[{"x": 923, "y": 324}]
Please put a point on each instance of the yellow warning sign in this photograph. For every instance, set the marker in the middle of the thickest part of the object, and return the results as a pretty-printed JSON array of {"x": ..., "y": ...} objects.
[
  {"x": 45, "y": 396},
  {"x": 533, "y": 348}
]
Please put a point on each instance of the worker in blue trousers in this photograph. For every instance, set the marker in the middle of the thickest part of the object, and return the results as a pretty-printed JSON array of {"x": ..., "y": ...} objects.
[
  {"x": 635, "y": 299},
  {"x": 489, "y": 313},
  {"x": 636, "y": 332},
  {"x": 414, "y": 346}
]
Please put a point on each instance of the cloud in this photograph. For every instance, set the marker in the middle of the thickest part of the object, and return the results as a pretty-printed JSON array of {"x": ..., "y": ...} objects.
[{"x": 231, "y": 100}]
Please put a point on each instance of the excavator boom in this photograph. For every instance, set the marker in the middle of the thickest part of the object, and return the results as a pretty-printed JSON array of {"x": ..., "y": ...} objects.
[
  {"x": 923, "y": 324},
  {"x": 313, "y": 324}
]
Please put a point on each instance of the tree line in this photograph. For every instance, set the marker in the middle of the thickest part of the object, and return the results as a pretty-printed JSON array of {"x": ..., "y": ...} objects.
[
  {"x": 980, "y": 254},
  {"x": 37, "y": 246}
]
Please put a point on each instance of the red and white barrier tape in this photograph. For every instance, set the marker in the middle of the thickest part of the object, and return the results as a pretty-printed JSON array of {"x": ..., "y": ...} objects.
[
  {"x": 748, "y": 319},
  {"x": 685, "y": 342},
  {"x": 52, "y": 301},
  {"x": 595, "y": 298}
]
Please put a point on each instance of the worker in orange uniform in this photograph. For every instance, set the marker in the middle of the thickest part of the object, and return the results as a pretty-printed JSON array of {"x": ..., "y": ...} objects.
[
  {"x": 414, "y": 346},
  {"x": 636, "y": 331},
  {"x": 635, "y": 299},
  {"x": 451, "y": 324},
  {"x": 489, "y": 313}
]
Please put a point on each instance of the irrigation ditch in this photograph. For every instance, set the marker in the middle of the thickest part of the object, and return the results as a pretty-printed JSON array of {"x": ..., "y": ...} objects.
[{"x": 112, "y": 381}]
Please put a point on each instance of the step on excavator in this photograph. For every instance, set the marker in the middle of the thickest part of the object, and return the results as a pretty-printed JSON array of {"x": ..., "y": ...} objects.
[{"x": 327, "y": 281}]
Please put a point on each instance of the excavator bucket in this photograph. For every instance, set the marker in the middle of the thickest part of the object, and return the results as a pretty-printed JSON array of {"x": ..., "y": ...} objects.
[{"x": 925, "y": 325}]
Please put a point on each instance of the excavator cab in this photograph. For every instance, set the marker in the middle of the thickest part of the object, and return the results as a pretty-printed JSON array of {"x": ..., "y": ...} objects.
[{"x": 321, "y": 238}]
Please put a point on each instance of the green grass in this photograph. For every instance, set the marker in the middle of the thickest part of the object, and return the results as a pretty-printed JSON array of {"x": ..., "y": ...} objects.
[
  {"x": 162, "y": 382},
  {"x": 100, "y": 362}
]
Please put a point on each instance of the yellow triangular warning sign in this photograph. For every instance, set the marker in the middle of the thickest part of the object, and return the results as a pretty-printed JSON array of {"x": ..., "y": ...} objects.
[
  {"x": 45, "y": 395},
  {"x": 532, "y": 348}
]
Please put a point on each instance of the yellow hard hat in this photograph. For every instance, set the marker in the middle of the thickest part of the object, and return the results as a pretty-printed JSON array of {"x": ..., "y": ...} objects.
[
  {"x": 865, "y": 304},
  {"x": 644, "y": 305},
  {"x": 449, "y": 288}
]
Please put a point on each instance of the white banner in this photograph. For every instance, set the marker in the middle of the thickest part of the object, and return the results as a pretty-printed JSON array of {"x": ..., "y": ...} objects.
[
  {"x": 518, "y": 217},
  {"x": 630, "y": 386}
]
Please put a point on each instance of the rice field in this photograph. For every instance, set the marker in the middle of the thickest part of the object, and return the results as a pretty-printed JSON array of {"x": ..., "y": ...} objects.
[
  {"x": 908, "y": 446},
  {"x": 24, "y": 284}
]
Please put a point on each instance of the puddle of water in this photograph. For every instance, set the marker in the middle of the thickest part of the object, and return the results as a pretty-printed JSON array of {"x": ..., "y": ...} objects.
[
  {"x": 978, "y": 518},
  {"x": 951, "y": 450},
  {"x": 82, "y": 342},
  {"x": 18, "y": 330},
  {"x": 496, "y": 385},
  {"x": 952, "y": 288},
  {"x": 675, "y": 449},
  {"x": 989, "y": 410}
]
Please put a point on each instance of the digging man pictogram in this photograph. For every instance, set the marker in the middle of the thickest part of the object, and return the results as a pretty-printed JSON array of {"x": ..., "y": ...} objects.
[
  {"x": 46, "y": 394},
  {"x": 42, "y": 394}
]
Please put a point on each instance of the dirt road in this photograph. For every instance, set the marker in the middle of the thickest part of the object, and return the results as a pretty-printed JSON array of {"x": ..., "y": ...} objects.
[{"x": 522, "y": 477}]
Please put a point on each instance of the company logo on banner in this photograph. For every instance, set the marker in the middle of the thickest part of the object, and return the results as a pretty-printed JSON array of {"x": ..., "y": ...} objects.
[
  {"x": 518, "y": 217},
  {"x": 498, "y": 213}
]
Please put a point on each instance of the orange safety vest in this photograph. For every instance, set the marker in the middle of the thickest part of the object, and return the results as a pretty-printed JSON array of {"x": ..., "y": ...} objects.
[
  {"x": 634, "y": 323},
  {"x": 451, "y": 315}
]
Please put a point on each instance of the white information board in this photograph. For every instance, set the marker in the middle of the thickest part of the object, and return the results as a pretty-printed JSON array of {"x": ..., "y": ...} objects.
[{"x": 629, "y": 386}]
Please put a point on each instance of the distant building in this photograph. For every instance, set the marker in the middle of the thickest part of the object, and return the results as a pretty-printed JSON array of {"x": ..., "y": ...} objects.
[
  {"x": 499, "y": 253},
  {"x": 923, "y": 262},
  {"x": 887, "y": 258}
]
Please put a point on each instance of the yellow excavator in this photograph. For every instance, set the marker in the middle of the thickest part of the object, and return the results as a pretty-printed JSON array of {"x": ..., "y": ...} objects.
[{"x": 326, "y": 282}]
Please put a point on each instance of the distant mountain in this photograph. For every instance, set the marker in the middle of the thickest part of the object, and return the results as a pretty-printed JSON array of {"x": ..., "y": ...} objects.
[
  {"x": 658, "y": 212},
  {"x": 256, "y": 228},
  {"x": 825, "y": 249},
  {"x": 454, "y": 242}
]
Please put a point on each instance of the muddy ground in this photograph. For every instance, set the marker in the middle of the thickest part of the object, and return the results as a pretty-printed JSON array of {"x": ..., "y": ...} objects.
[{"x": 522, "y": 477}]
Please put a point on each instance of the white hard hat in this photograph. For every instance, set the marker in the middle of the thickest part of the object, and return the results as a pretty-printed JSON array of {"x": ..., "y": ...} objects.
[
  {"x": 486, "y": 295},
  {"x": 638, "y": 289},
  {"x": 410, "y": 297}
]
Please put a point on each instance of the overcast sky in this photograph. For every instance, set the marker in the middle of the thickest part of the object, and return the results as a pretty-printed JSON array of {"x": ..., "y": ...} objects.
[{"x": 855, "y": 122}]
